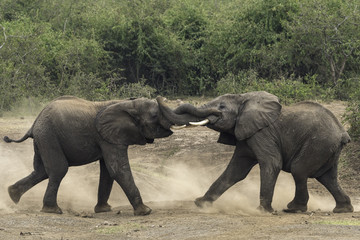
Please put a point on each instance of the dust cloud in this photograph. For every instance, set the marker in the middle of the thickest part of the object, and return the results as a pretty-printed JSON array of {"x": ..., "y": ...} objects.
[
  {"x": 186, "y": 183},
  {"x": 182, "y": 182},
  {"x": 167, "y": 180},
  {"x": 77, "y": 190},
  {"x": 10, "y": 167},
  {"x": 175, "y": 182}
]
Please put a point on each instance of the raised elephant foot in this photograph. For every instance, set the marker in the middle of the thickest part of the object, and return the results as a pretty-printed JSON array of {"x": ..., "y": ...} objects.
[
  {"x": 142, "y": 210},
  {"x": 295, "y": 208},
  {"x": 202, "y": 202},
  {"x": 14, "y": 193},
  {"x": 55, "y": 209},
  {"x": 102, "y": 208},
  {"x": 344, "y": 209}
]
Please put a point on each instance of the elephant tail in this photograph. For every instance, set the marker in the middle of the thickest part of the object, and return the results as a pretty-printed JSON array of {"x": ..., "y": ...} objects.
[
  {"x": 345, "y": 138},
  {"x": 26, "y": 136}
]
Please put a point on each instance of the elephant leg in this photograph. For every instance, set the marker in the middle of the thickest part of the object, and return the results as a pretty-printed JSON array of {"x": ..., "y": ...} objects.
[
  {"x": 240, "y": 165},
  {"x": 304, "y": 166},
  {"x": 299, "y": 203},
  {"x": 56, "y": 166},
  {"x": 19, "y": 188},
  {"x": 105, "y": 186},
  {"x": 50, "y": 198},
  {"x": 266, "y": 150},
  {"x": 117, "y": 163},
  {"x": 329, "y": 180},
  {"x": 268, "y": 176},
  {"x": 301, "y": 168}
]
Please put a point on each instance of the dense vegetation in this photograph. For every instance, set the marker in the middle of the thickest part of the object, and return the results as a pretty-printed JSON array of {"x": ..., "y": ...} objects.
[{"x": 101, "y": 49}]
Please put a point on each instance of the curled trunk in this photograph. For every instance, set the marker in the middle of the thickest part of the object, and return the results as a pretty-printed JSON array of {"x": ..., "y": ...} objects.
[{"x": 185, "y": 113}]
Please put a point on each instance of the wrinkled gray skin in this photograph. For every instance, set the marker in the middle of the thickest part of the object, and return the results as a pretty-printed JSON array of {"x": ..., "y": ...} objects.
[
  {"x": 304, "y": 139},
  {"x": 71, "y": 131}
]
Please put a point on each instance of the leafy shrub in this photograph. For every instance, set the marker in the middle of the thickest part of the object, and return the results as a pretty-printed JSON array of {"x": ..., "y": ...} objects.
[
  {"x": 87, "y": 86},
  {"x": 352, "y": 117},
  {"x": 21, "y": 55},
  {"x": 25, "y": 106},
  {"x": 288, "y": 90},
  {"x": 91, "y": 87},
  {"x": 139, "y": 89},
  {"x": 237, "y": 83},
  {"x": 189, "y": 47},
  {"x": 352, "y": 114},
  {"x": 347, "y": 89}
]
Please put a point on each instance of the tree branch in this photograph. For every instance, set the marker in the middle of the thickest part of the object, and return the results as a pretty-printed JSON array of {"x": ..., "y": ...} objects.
[
  {"x": 336, "y": 27},
  {"x": 5, "y": 37},
  {"x": 342, "y": 66}
]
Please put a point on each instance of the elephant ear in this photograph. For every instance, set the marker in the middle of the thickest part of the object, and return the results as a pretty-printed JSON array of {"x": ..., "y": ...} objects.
[
  {"x": 117, "y": 124},
  {"x": 258, "y": 111}
]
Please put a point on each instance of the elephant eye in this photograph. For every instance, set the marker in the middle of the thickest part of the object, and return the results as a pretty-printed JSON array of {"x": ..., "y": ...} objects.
[
  {"x": 154, "y": 116},
  {"x": 222, "y": 106}
]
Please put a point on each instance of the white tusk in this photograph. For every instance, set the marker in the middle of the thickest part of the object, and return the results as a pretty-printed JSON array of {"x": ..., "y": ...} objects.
[
  {"x": 202, "y": 123},
  {"x": 176, "y": 127}
]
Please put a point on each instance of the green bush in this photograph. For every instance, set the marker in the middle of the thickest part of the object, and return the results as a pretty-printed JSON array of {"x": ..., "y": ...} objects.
[
  {"x": 21, "y": 55},
  {"x": 91, "y": 87},
  {"x": 117, "y": 87},
  {"x": 352, "y": 117},
  {"x": 287, "y": 89},
  {"x": 103, "y": 49},
  {"x": 25, "y": 106},
  {"x": 139, "y": 89},
  {"x": 87, "y": 86},
  {"x": 352, "y": 114}
]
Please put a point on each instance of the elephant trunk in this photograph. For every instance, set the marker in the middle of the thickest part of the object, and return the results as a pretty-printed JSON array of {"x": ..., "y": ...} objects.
[{"x": 185, "y": 113}]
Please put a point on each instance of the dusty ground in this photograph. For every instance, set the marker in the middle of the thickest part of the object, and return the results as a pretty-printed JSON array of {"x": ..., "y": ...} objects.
[{"x": 170, "y": 174}]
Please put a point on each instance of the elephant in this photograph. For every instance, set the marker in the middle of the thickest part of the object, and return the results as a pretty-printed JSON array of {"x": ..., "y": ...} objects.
[
  {"x": 304, "y": 139},
  {"x": 71, "y": 131}
]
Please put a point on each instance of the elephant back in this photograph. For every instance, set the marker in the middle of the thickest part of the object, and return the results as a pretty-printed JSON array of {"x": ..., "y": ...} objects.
[{"x": 314, "y": 118}]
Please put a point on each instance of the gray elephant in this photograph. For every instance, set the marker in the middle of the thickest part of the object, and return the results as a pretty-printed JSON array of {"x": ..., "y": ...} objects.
[
  {"x": 304, "y": 139},
  {"x": 71, "y": 131}
]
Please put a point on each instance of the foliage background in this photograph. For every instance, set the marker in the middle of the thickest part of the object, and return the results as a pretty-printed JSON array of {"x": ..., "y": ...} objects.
[{"x": 103, "y": 49}]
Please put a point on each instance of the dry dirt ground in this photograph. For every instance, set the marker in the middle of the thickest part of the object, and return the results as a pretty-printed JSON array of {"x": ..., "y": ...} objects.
[{"x": 170, "y": 174}]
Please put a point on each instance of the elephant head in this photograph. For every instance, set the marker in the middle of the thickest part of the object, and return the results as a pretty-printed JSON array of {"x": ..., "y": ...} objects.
[
  {"x": 239, "y": 116},
  {"x": 130, "y": 122}
]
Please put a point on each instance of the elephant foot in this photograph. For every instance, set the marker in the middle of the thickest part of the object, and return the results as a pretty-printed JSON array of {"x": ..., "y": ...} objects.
[
  {"x": 295, "y": 208},
  {"x": 201, "y": 202},
  {"x": 15, "y": 195},
  {"x": 102, "y": 208},
  {"x": 267, "y": 209},
  {"x": 55, "y": 209},
  {"x": 344, "y": 209},
  {"x": 142, "y": 210}
]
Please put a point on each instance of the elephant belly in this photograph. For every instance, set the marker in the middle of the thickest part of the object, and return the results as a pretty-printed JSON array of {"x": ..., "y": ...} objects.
[
  {"x": 82, "y": 158},
  {"x": 83, "y": 154}
]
